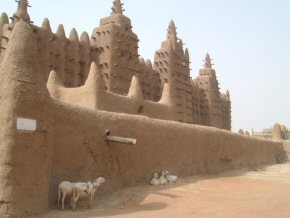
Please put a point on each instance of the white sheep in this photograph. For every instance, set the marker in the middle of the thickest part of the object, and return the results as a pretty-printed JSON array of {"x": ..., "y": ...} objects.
[
  {"x": 65, "y": 188},
  {"x": 155, "y": 180},
  {"x": 82, "y": 190},
  {"x": 172, "y": 179},
  {"x": 162, "y": 179}
]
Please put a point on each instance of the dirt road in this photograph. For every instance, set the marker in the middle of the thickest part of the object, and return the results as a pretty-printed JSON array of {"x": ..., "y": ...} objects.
[{"x": 256, "y": 193}]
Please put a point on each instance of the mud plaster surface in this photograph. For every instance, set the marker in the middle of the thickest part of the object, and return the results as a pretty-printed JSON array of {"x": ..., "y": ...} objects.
[{"x": 257, "y": 192}]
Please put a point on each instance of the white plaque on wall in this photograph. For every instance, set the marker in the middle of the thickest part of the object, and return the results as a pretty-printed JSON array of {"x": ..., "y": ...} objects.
[{"x": 26, "y": 124}]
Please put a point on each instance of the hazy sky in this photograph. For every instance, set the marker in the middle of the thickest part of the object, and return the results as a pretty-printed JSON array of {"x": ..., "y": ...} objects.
[{"x": 249, "y": 41}]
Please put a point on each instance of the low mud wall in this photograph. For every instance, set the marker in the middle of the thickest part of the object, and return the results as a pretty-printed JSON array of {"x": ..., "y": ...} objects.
[
  {"x": 81, "y": 151},
  {"x": 286, "y": 145}
]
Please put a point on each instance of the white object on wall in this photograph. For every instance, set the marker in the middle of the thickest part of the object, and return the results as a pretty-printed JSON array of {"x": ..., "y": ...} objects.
[{"x": 26, "y": 124}]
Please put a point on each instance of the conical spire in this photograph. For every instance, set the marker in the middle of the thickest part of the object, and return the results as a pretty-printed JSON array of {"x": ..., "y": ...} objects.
[
  {"x": 186, "y": 54},
  {"x": 135, "y": 89},
  {"x": 21, "y": 58},
  {"x": 117, "y": 7},
  {"x": 21, "y": 13},
  {"x": 228, "y": 93},
  {"x": 149, "y": 64},
  {"x": 142, "y": 61},
  {"x": 60, "y": 32},
  {"x": 207, "y": 61},
  {"x": 95, "y": 79},
  {"x": 54, "y": 82},
  {"x": 4, "y": 19},
  {"x": 85, "y": 39},
  {"x": 172, "y": 34},
  {"x": 167, "y": 97},
  {"x": 74, "y": 36},
  {"x": 46, "y": 24},
  {"x": 95, "y": 89}
]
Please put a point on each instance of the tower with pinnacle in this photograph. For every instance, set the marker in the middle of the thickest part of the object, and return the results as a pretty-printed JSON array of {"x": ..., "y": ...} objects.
[
  {"x": 117, "y": 46},
  {"x": 21, "y": 13},
  {"x": 213, "y": 104},
  {"x": 172, "y": 63}
]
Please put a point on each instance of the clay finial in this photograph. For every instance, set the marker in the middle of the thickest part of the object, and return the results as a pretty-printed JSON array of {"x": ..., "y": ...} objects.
[
  {"x": 54, "y": 80},
  {"x": 85, "y": 39},
  {"x": 117, "y": 7},
  {"x": 21, "y": 13},
  {"x": 46, "y": 24},
  {"x": 207, "y": 61},
  {"x": 228, "y": 93},
  {"x": 4, "y": 19},
  {"x": 60, "y": 32},
  {"x": 74, "y": 36},
  {"x": 186, "y": 54},
  {"x": 95, "y": 79},
  {"x": 142, "y": 61},
  {"x": 172, "y": 34},
  {"x": 167, "y": 95},
  {"x": 149, "y": 64},
  {"x": 135, "y": 89}
]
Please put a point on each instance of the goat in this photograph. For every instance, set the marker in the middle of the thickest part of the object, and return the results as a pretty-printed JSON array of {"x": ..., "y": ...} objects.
[
  {"x": 65, "y": 188},
  {"x": 155, "y": 181},
  {"x": 82, "y": 190}
]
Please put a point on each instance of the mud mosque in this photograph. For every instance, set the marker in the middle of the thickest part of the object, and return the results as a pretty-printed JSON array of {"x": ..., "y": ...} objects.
[
  {"x": 113, "y": 46},
  {"x": 76, "y": 109}
]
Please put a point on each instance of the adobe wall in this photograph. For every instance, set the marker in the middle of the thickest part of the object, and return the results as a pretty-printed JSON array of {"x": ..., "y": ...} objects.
[
  {"x": 26, "y": 156},
  {"x": 93, "y": 95},
  {"x": 81, "y": 151}
]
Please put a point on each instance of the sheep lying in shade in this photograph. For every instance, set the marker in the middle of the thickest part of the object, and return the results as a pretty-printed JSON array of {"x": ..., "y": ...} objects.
[
  {"x": 164, "y": 179},
  {"x": 155, "y": 180},
  {"x": 172, "y": 179},
  {"x": 82, "y": 190}
]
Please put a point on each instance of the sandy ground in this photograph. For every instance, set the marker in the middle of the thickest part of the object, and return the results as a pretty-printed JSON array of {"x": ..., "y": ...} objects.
[{"x": 263, "y": 192}]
